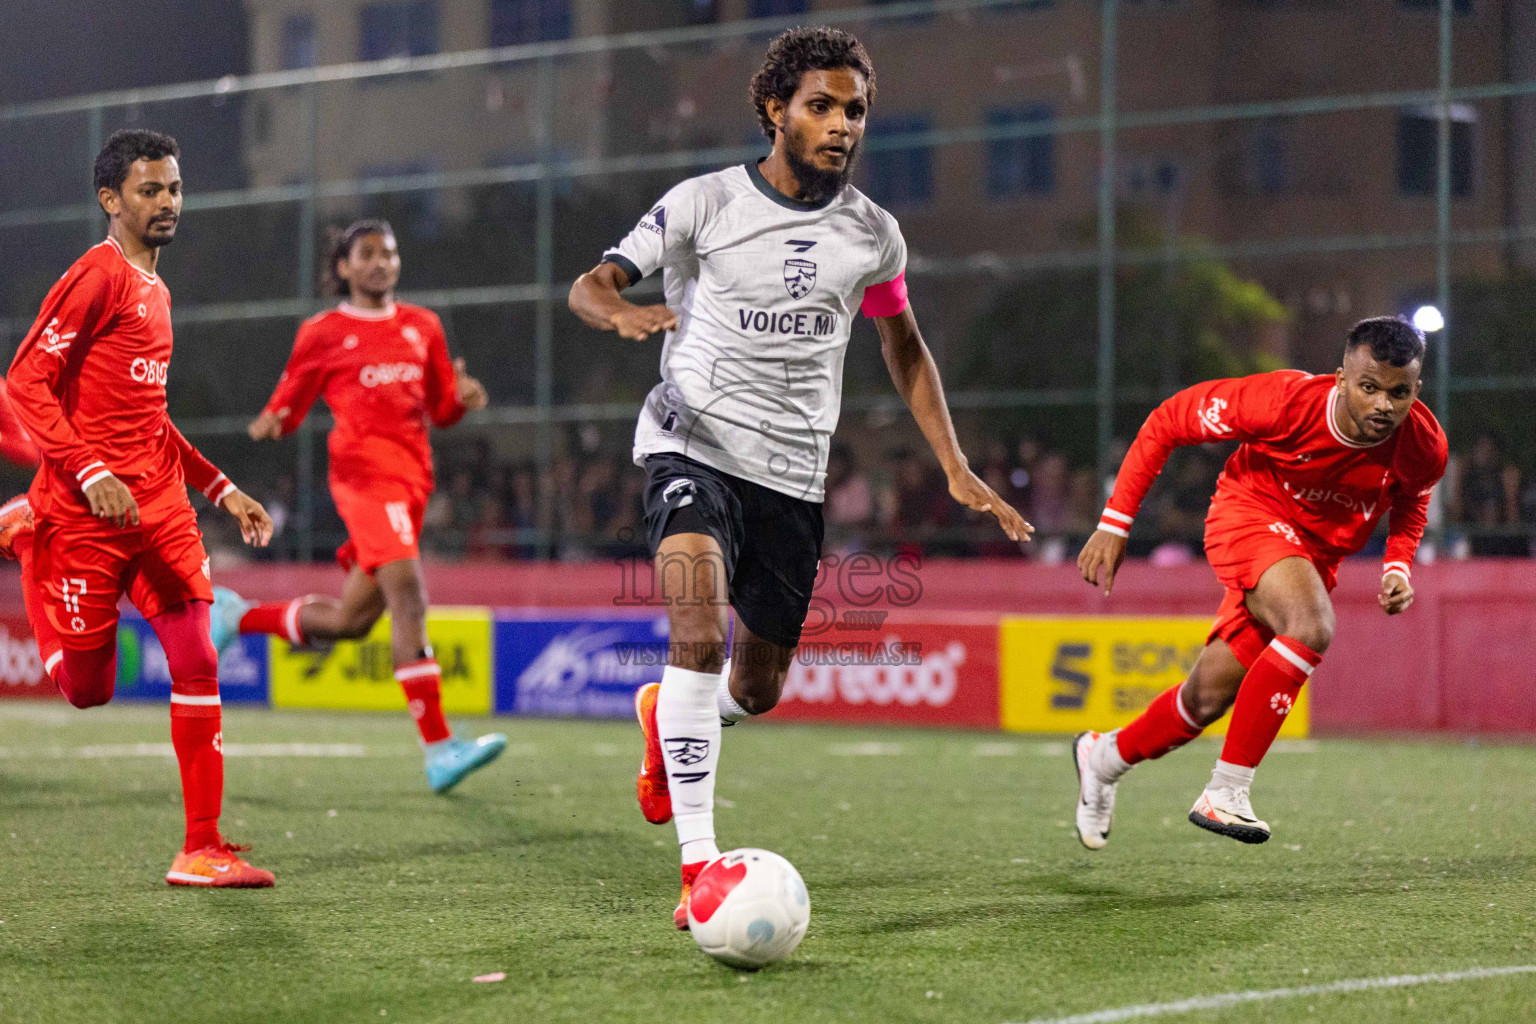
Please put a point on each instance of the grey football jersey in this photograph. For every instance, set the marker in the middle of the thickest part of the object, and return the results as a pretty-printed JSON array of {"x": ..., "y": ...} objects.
[{"x": 765, "y": 289}]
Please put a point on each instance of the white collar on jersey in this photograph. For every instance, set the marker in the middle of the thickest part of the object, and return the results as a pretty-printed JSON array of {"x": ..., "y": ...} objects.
[
  {"x": 151, "y": 278},
  {"x": 1338, "y": 435},
  {"x": 357, "y": 312}
]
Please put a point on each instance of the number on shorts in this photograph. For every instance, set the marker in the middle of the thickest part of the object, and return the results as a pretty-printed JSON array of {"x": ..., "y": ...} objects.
[
  {"x": 400, "y": 520},
  {"x": 72, "y": 600}
]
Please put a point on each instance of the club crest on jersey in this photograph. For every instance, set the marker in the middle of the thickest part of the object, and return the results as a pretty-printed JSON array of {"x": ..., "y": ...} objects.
[
  {"x": 799, "y": 277},
  {"x": 687, "y": 749}
]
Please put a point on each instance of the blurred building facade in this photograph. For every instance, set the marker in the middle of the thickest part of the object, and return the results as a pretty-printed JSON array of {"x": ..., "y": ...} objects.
[{"x": 1235, "y": 181}]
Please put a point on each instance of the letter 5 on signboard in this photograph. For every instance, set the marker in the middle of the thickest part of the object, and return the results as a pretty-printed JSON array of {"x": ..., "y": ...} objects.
[
  {"x": 359, "y": 675},
  {"x": 1067, "y": 674}
]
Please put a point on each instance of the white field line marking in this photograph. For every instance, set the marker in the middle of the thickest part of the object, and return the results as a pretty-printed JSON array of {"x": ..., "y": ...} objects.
[
  {"x": 1228, "y": 999},
  {"x": 1294, "y": 747},
  {"x": 115, "y": 750},
  {"x": 997, "y": 749},
  {"x": 864, "y": 749}
]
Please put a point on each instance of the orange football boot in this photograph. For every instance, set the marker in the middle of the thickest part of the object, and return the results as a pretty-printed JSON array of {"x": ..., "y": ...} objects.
[
  {"x": 680, "y": 915},
  {"x": 651, "y": 786},
  {"x": 218, "y": 866},
  {"x": 15, "y": 520}
]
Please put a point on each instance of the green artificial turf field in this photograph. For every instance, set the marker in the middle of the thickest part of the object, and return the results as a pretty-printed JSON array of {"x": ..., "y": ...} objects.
[{"x": 945, "y": 882}]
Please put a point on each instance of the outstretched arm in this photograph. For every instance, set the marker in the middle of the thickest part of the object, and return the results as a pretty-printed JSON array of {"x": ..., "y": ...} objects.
[
  {"x": 1406, "y": 521},
  {"x": 595, "y": 298},
  {"x": 917, "y": 380},
  {"x": 255, "y": 524},
  {"x": 1232, "y": 409},
  {"x": 296, "y": 391}
]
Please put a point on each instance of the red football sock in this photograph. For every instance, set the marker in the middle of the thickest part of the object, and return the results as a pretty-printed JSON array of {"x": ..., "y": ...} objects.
[
  {"x": 281, "y": 619},
  {"x": 422, "y": 682},
  {"x": 1164, "y": 726},
  {"x": 195, "y": 718},
  {"x": 1265, "y": 698}
]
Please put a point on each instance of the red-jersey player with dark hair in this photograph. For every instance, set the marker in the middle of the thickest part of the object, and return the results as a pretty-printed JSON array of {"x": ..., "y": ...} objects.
[
  {"x": 107, "y": 513},
  {"x": 1322, "y": 460},
  {"x": 383, "y": 368}
]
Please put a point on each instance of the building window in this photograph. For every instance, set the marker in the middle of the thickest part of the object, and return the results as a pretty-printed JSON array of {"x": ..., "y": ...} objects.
[
  {"x": 778, "y": 8},
  {"x": 1417, "y": 149},
  {"x": 417, "y": 213},
  {"x": 701, "y": 12},
  {"x": 529, "y": 21},
  {"x": 901, "y": 177},
  {"x": 1022, "y": 166},
  {"x": 1268, "y": 163},
  {"x": 399, "y": 29},
  {"x": 1459, "y": 6},
  {"x": 298, "y": 46},
  {"x": 1151, "y": 176}
]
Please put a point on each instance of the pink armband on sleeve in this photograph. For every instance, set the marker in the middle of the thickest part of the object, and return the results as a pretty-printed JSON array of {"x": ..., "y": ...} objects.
[{"x": 886, "y": 299}]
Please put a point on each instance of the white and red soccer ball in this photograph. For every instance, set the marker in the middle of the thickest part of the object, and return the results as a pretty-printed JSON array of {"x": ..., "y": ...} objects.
[{"x": 748, "y": 908}]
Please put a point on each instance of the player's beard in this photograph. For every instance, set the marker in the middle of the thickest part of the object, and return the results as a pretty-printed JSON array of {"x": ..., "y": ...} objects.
[
  {"x": 817, "y": 185},
  {"x": 155, "y": 237}
]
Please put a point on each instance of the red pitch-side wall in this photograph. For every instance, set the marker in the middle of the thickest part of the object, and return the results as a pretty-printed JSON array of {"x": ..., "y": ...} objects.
[{"x": 1463, "y": 659}]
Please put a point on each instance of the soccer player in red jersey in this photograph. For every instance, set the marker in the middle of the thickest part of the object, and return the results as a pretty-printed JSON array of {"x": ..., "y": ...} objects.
[
  {"x": 107, "y": 513},
  {"x": 1322, "y": 460},
  {"x": 383, "y": 368}
]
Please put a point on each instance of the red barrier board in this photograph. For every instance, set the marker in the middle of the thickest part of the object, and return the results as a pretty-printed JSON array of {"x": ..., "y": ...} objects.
[
  {"x": 907, "y": 671},
  {"x": 21, "y": 668}
]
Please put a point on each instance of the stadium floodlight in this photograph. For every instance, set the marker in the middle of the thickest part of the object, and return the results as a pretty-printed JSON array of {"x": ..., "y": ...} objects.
[{"x": 1428, "y": 319}]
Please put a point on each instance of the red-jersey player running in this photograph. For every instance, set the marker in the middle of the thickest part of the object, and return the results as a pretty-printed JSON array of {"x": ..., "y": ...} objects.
[
  {"x": 1322, "y": 459},
  {"x": 383, "y": 368},
  {"x": 110, "y": 499}
]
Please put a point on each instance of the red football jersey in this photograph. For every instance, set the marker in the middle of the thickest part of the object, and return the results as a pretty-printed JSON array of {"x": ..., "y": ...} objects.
[
  {"x": 16, "y": 445},
  {"x": 386, "y": 376},
  {"x": 88, "y": 383},
  {"x": 1294, "y": 465}
]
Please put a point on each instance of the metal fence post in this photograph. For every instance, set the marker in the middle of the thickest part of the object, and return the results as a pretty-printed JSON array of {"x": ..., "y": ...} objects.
[
  {"x": 544, "y": 309},
  {"x": 93, "y": 144},
  {"x": 1443, "y": 224},
  {"x": 308, "y": 215},
  {"x": 1109, "y": 59}
]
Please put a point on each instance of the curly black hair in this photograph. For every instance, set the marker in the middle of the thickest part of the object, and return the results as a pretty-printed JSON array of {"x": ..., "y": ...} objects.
[
  {"x": 338, "y": 246},
  {"x": 803, "y": 49},
  {"x": 124, "y": 147},
  {"x": 1391, "y": 339}
]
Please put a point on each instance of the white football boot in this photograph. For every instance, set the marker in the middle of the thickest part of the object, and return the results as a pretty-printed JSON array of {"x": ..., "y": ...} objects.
[
  {"x": 1227, "y": 811},
  {"x": 1095, "y": 798}
]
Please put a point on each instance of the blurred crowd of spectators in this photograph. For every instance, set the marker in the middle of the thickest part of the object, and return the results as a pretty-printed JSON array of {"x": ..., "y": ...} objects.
[{"x": 884, "y": 501}]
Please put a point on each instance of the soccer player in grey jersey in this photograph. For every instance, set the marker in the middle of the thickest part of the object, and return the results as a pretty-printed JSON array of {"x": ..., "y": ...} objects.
[{"x": 763, "y": 268}]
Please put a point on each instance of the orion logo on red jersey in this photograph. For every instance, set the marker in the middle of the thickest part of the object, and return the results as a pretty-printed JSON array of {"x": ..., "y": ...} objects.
[
  {"x": 1322, "y": 495},
  {"x": 376, "y": 375},
  {"x": 148, "y": 371}
]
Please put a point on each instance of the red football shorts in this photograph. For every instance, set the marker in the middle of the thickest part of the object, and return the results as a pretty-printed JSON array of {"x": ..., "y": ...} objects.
[
  {"x": 1241, "y": 549},
  {"x": 383, "y": 523},
  {"x": 84, "y": 567}
]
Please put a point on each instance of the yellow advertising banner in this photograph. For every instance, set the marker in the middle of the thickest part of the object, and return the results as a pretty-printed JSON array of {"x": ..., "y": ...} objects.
[
  {"x": 1070, "y": 673},
  {"x": 359, "y": 675}
]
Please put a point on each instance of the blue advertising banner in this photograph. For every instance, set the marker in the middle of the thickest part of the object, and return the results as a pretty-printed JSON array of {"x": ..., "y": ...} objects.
[
  {"x": 584, "y": 666},
  {"x": 143, "y": 674}
]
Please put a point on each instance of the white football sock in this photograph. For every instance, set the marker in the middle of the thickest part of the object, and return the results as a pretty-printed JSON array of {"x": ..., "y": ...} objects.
[
  {"x": 689, "y": 724},
  {"x": 1231, "y": 776},
  {"x": 1105, "y": 760},
  {"x": 730, "y": 711}
]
